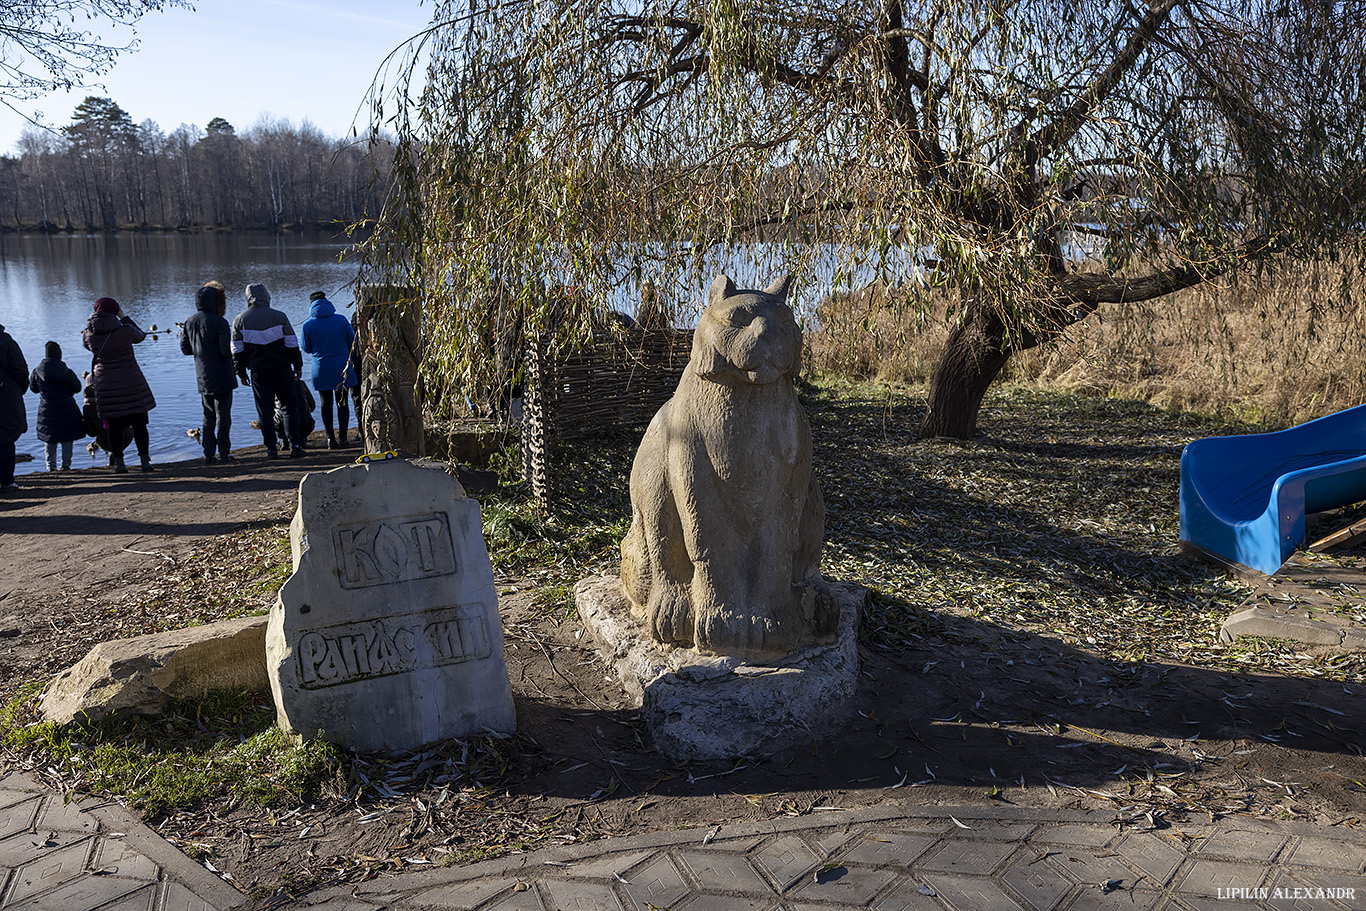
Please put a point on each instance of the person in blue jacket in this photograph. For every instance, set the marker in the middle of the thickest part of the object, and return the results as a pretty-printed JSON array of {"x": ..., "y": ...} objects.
[
  {"x": 59, "y": 417},
  {"x": 327, "y": 335}
]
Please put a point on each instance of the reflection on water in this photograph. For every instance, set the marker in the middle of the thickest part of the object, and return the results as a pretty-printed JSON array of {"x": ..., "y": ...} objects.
[{"x": 48, "y": 284}]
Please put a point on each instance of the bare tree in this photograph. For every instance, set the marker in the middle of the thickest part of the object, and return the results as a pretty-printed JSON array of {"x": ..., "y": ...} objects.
[
  {"x": 954, "y": 144},
  {"x": 101, "y": 171},
  {"x": 39, "y": 150},
  {"x": 222, "y": 175},
  {"x": 181, "y": 151},
  {"x": 152, "y": 146},
  {"x": 42, "y": 49}
]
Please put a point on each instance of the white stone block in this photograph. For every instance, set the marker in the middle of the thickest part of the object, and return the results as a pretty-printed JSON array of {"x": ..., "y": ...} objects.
[{"x": 387, "y": 635}]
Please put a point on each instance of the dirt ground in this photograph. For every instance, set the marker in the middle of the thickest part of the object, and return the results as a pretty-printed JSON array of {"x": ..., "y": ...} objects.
[{"x": 967, "y": 714}]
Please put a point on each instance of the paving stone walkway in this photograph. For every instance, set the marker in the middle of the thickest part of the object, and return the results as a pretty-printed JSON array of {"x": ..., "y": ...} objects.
[
  {"x": 59, "y": 856},
  {"x": 894, "y": 858},
  {"x": 96, "y": 856}
]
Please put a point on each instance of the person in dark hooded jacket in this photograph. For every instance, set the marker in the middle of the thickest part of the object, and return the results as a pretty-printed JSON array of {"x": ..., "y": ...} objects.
[
  {"x": 207, "y": 336},
  {"x": 59, "y": 417},
  {"x": 13, "y": 419},
  {"x": 122, "y": 396}
]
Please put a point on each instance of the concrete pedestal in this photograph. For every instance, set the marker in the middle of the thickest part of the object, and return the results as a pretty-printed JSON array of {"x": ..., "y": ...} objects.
[{"x": 709, "y": 707}]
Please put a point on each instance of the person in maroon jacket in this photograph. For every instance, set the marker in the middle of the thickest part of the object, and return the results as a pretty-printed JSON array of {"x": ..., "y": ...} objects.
[{"x": 122, "y": 396}]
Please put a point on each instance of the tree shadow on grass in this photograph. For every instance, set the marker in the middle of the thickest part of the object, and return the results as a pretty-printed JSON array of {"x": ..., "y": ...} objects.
[
  {"x": 1030, "y": 620},
  {"x": 960, "y": 710},
  {"x": 1062, "y": 520}
]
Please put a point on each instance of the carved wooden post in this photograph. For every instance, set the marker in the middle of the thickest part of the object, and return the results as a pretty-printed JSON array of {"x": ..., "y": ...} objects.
[
  {"x": 537, "y": 421},
  {"x": 389, "y": 331}
]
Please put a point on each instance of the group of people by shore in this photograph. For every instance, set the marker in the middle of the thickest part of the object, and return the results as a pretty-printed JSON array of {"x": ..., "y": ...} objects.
[{"x": 259, "y": 349}]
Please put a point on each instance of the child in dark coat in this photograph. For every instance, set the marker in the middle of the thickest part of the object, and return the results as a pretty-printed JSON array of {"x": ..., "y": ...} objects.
[
  {"x": 95, "y": 428},
  {"x": 306, "y": 406},
  {"x": 59, "y": 417}
]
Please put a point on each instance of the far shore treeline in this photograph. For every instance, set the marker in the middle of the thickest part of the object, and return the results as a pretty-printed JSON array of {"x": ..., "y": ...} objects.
[{"x": 103, "y": 172}]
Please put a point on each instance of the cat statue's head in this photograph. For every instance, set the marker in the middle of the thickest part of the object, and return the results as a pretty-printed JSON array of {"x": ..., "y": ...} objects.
[{"x": 747, "y": 336}]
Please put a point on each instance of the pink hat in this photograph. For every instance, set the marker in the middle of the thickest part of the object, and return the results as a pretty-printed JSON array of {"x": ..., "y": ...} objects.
[{"x": 106, "y": 305}]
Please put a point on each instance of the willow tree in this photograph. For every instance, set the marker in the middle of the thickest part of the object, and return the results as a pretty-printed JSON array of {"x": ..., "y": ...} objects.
[{"x": 955, "y": 145}]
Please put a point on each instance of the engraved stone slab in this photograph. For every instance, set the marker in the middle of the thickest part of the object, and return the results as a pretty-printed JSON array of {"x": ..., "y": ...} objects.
[{"x": 387, "y": 635}]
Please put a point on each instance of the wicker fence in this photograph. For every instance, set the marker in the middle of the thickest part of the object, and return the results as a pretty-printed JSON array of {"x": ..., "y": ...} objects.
[{"x": 619, "y": 380}]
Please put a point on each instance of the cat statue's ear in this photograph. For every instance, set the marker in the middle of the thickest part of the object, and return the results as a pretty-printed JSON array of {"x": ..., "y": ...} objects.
[
  {"x": 721, "y": 288},
  {"x": 707, "y": 358},
  {"x": 780, "y": 287}
]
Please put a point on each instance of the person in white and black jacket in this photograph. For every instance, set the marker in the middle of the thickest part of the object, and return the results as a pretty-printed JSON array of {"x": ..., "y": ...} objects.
[{"x": 266, "y": 356}]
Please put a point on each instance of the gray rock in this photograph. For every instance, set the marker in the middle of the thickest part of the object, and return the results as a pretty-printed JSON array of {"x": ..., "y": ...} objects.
[
  {"x": 1354, "y": 638},
  {"x": 144, "y": 674},
  {"x": 706, "y": 707},
  {"x": 724, "y": 549},
  {"x": 387, "y": 635},
  {"x": 1268, "y": 623}
]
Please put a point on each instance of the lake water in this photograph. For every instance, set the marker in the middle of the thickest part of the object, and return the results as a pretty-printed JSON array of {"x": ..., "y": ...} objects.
[{"x": 49, "y": 283}]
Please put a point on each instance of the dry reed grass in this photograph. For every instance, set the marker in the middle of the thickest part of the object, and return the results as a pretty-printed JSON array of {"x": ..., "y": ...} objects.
[{"x": 1272, "y": 349}]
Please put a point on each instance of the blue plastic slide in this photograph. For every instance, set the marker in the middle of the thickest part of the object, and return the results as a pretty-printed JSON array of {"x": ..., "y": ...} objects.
[{"x": 1244, "y": 498}]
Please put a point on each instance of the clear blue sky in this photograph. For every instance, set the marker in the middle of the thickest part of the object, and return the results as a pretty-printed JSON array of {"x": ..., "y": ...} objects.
[{"x": 293, "y": 60}]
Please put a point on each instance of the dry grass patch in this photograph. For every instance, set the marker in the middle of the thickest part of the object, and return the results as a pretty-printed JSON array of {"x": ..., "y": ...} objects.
[{"x": 1276, "y": 350}]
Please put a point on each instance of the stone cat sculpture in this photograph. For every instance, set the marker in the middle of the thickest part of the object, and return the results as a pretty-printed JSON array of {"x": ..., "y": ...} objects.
[{"x": 727, "y": 522}]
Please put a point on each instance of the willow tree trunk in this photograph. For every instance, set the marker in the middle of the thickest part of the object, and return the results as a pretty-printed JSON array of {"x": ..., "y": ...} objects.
[{"x": 974, "y": 354}]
